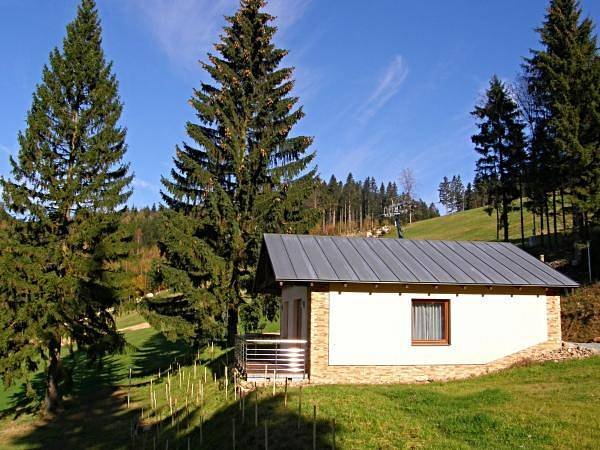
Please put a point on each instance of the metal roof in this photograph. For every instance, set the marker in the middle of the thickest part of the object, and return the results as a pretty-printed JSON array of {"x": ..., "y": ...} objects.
[{"x": 306, "y": 258}]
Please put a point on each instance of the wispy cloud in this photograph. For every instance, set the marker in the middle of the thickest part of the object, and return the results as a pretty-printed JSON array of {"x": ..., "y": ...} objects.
[
  {"x": 387, "y": 86},
  {"x": 287, "y": 12},
  {"x": 187, "y": 29},
  {"x": 5, "y": 149},
  {"x": 139, "y": 183},
  {"x": 354, "y": 158}
]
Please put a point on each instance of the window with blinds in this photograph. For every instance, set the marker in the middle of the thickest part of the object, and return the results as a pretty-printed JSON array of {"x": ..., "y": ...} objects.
[{"x": 430, "y": 322}]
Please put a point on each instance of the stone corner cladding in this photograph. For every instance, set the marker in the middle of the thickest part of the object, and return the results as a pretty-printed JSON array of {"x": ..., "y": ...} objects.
[{"x": 322, "y": 373}]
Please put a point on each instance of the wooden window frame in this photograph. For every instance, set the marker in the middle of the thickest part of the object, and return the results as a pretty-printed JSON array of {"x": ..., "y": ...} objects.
[{"x": 446, "y": 339}]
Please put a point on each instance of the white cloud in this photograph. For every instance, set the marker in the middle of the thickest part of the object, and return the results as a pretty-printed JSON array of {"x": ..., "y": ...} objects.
[
  {"x": 143, "y": 184},
  {"x": 187, "y": 29},
  {"x": 5, "y": 149},
  {"x": 287, "y": 12},
  {"x": 388, "y": 86}
]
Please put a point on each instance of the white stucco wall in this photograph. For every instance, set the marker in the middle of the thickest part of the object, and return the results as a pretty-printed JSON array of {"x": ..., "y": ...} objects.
[{"x": 376, "y": 329}]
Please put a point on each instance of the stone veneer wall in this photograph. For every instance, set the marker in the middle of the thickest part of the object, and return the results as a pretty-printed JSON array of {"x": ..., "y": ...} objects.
[{"x": 321, "y": 372}]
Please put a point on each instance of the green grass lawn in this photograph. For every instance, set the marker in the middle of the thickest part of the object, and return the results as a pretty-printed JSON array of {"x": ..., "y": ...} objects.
[
  {"x": 471, "y": 225},
  {"x": 550, "y": 405},
  {"x": 474, "y": 224}
]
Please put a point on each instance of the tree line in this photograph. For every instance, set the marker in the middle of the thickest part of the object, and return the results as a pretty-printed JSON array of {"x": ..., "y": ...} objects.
[
  {"x": 457, "y": 197},
  {"x": 538, "y": 138},
  {"x": 355, "y": 206}
]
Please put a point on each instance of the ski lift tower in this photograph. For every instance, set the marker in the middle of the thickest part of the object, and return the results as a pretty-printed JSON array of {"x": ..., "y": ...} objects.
[{"x": 395, "y": 210}]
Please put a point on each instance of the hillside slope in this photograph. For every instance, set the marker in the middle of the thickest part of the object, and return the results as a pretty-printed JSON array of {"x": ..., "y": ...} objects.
[{"x": 474, "y": 224}]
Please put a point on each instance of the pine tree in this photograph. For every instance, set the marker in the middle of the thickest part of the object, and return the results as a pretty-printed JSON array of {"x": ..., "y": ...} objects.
[
  {"x": 563, "y": 80},
  {"x": 501, "y": 146},
  {"x": 243, "y": 175},
  {"x": 469, "y": 197},
  {"x": 457, "y": 194},
  {"x": 68, "y": 183},
  {"x": 444, "y": 194}
]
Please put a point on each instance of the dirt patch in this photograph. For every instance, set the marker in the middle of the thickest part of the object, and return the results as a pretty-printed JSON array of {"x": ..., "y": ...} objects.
[
  {"x": 137, "y": 326},
  {"x": 580, "y": 314}
]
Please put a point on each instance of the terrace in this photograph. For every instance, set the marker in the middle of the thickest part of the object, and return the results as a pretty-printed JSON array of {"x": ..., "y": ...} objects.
[{"x": 267, "y": 356}]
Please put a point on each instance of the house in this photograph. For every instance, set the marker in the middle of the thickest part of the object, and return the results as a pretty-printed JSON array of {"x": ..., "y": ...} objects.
[{"x": 364, "y": 310}]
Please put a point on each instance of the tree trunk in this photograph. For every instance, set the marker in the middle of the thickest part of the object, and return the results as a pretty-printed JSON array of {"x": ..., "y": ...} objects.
[
  {"x": 521, "y": 212},
  {"x": 53, "y": 395},
  {"x": 542, "y": 228},
  {"x": 548, "y": 224},
  {"x": 232, "y": 324},
  {"x": 562, "y": 209},
  {"x": 554, "y": 221},
  {"x": 497, "y": 224},
  {"x": 505, "y": 217}
]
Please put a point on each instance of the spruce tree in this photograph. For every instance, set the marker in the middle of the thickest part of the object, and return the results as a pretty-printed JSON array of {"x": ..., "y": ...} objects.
[
  {"x": 501, "y": 146},
  {"x": 68, "y": 182},
  {"x": 242, "y": 174},
  {"x": 563, "y": 80},
  {"x": 444, "y": 194}
]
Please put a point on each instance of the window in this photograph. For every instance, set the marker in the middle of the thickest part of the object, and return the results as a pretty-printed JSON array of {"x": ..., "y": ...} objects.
[{"x": 430, "y": 322}]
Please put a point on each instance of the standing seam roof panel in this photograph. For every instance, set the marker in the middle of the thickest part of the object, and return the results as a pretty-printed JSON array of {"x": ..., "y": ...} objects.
[
  {"x": 280, "y": 261},
  {"x": 471, "y": 273},
  {"x": 401, "y": 272},
  {"x": 553, "y": 274},
  {"x": 411, "y": 263},
  {"x": 319, "y": 262},
  {"x": 356, "y": 261},
  {"x": 300, "y": 261},
  {"x": 442, "y": 275},
  {"x": 381, "y": 270},
  {"x": 469, "y": 251},
  {"x": 441, "y": 258},
  {"x": 324, "y": 258},
  {"x": 511, "y": 265},
  {"x": 343, "y": 269},
  {"x": 493, "y": 266}
]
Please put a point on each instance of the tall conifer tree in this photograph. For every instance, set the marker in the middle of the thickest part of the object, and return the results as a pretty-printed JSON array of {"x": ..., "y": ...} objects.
[
  {"x": 68, "y": 181},
  {"x": 501, "y": 146},
  {"x": 563, "y": 79},
  {"x": 242, "y": 174}
]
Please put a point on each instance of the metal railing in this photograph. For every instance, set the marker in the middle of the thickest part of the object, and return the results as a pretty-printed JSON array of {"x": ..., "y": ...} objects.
[{"x": 266, "y": 356}]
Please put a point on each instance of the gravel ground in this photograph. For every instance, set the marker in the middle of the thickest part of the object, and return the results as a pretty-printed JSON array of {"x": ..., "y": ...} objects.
[{"x": 588, "y": 345}]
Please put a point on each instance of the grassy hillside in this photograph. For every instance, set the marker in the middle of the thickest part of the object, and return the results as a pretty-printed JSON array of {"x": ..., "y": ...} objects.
[
  {"x": 549, "y": 405},
  {"x": 474, "y": 224}
]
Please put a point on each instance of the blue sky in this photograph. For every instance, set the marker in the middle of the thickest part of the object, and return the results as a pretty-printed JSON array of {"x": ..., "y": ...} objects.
[{"x": 385, "y": 84}]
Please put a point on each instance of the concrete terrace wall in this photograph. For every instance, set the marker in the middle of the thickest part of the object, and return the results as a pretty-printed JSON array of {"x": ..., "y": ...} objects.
[{"x": 473, "y": 351}]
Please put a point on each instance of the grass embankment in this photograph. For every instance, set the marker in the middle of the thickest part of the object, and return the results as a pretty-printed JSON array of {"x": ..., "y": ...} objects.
[
  {"x": 581, "y": 314},
  {"x": 471, "y": 225},
  {"x": 551, "y": 405}
]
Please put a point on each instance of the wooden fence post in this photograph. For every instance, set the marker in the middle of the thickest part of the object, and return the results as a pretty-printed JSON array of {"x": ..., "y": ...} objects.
[
  {"x": 299, "y": 407},
  {"x": 333, "y": 433},
  {"x": 233, "y": 432},
  {"x": 266, "y": 435},
  {"x": 314, "y": 427}
]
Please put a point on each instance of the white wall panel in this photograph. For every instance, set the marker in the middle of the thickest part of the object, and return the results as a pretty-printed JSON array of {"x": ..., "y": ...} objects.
[{"x": 376, "y": 329}]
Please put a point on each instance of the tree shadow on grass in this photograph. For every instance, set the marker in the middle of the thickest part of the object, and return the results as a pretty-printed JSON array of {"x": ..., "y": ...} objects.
[
  {"x": 92, "y": 414},
  {"x": 79, "y": 375},
  {"x": 156, "y": 353},
  {"x": 285, "y": 428}
]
